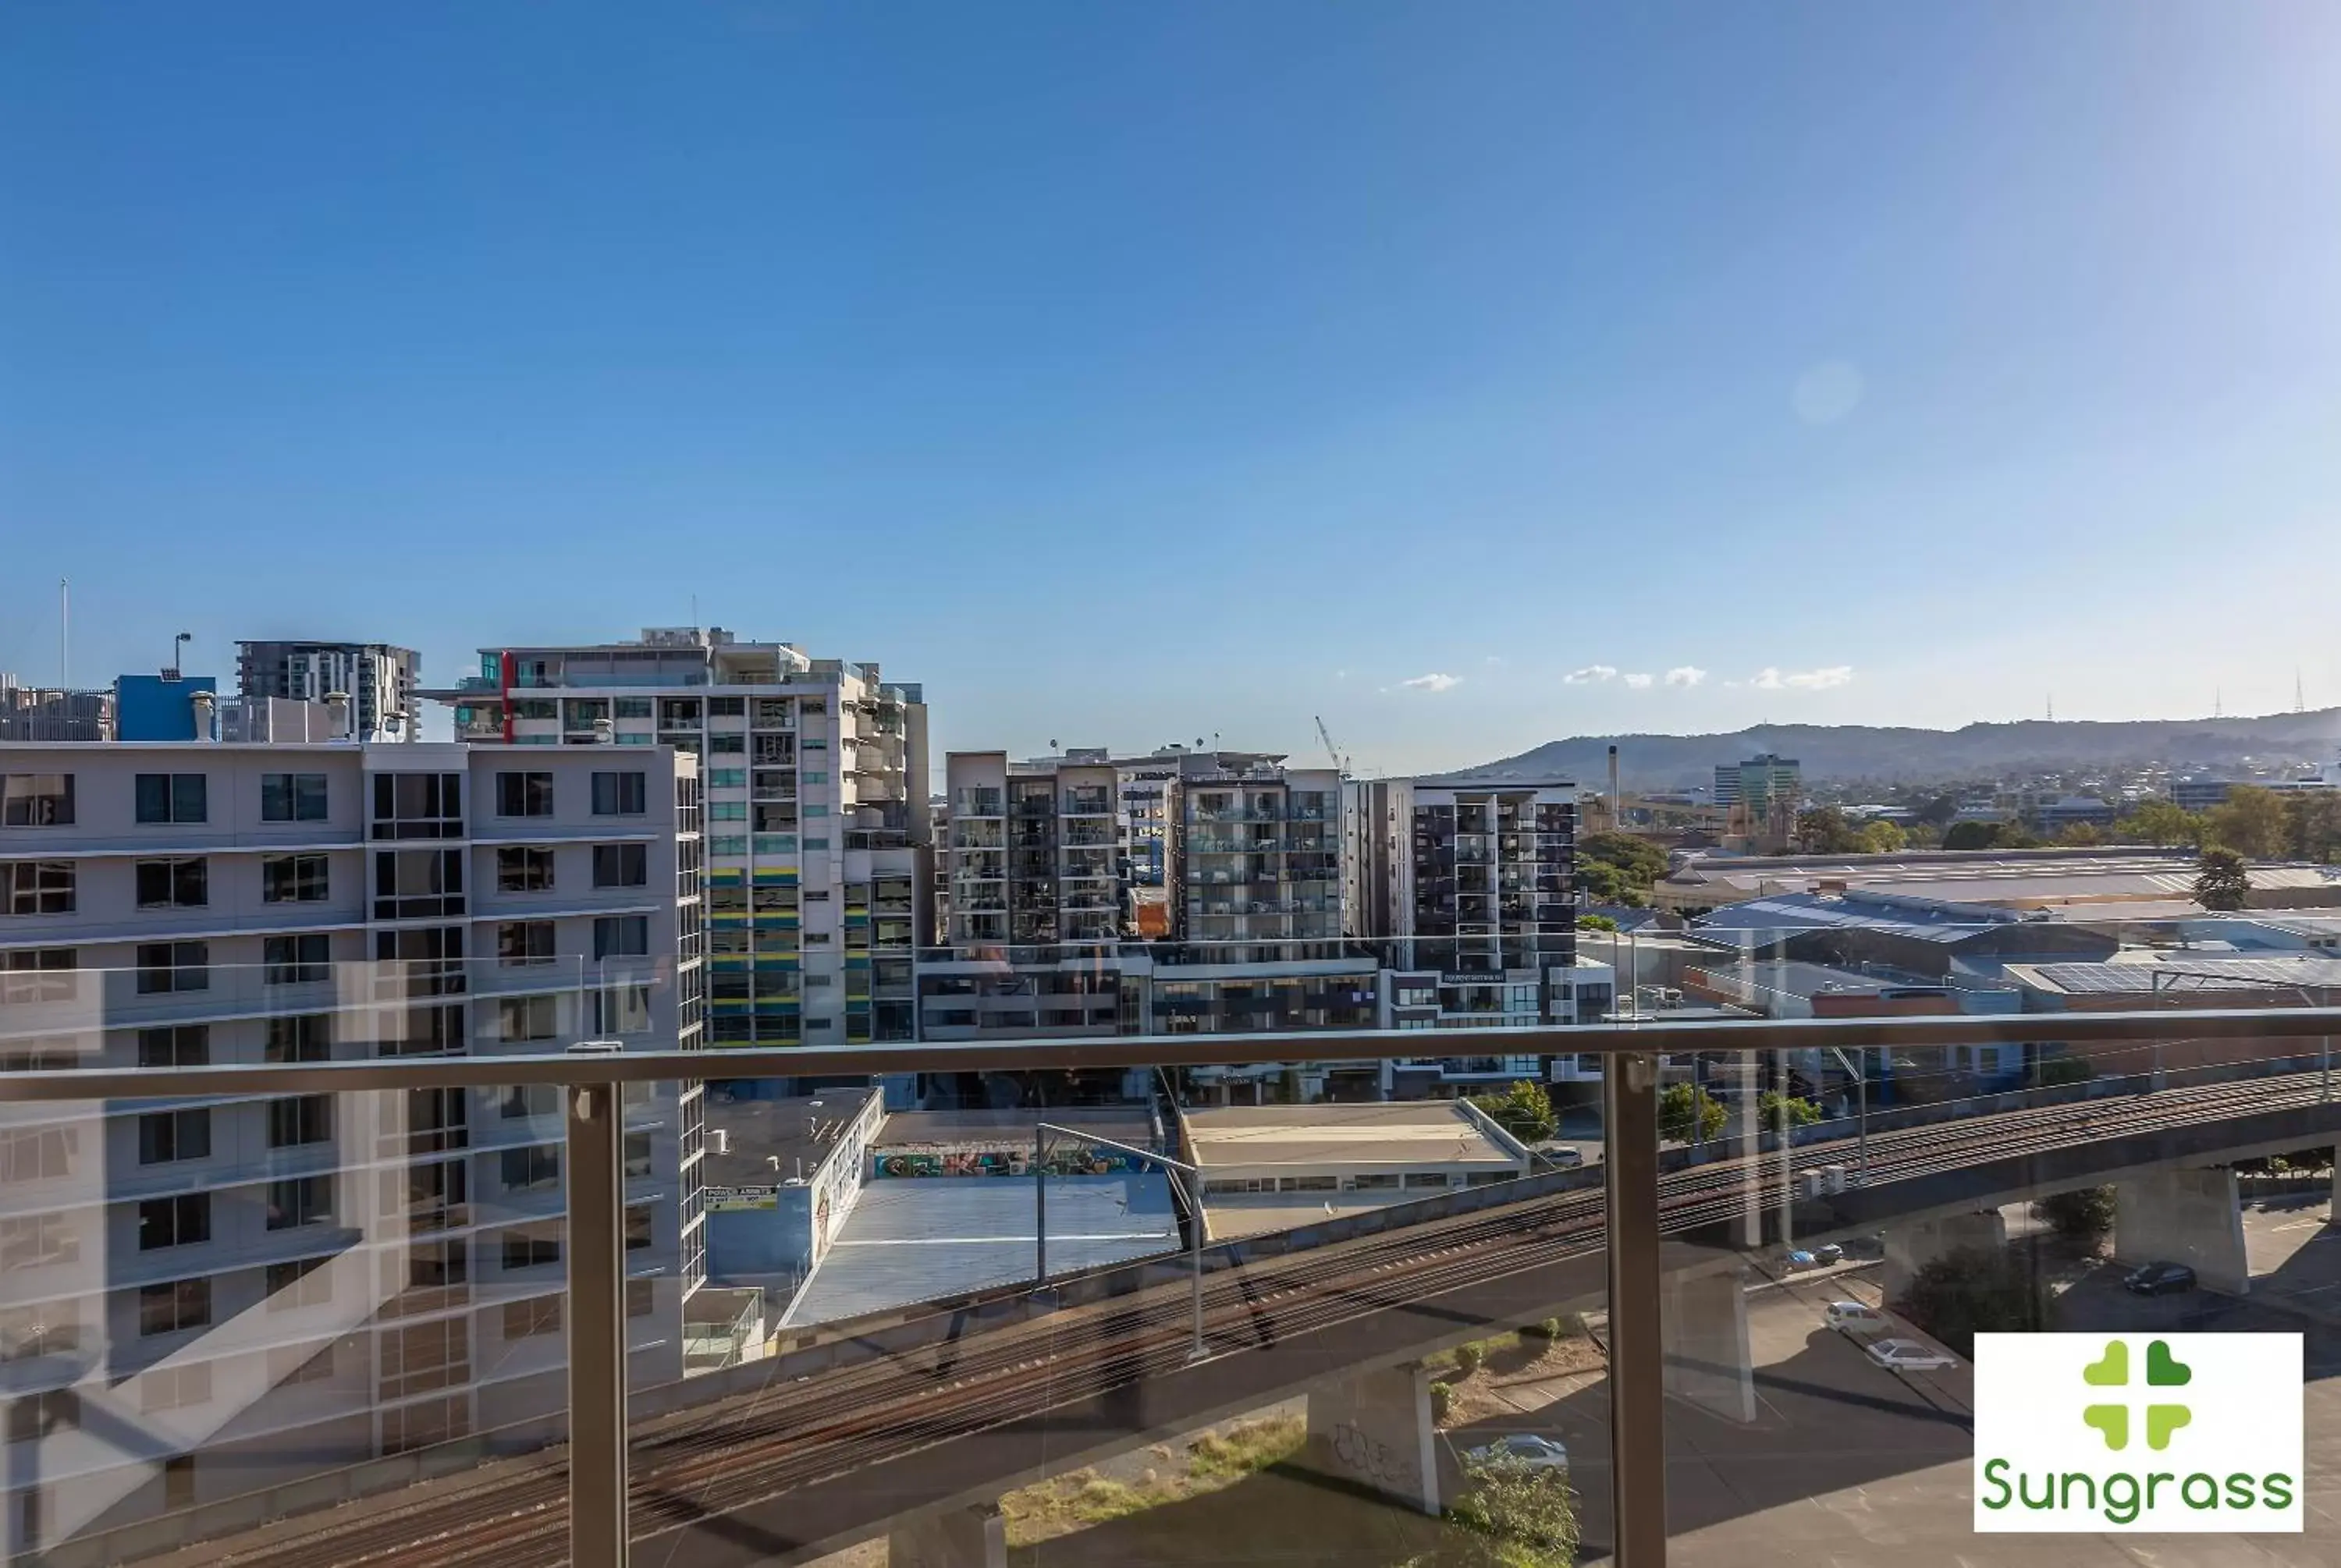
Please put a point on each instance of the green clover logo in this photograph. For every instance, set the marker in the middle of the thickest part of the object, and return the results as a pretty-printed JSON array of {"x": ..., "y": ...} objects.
[{"x": 2111, "y": 1370}]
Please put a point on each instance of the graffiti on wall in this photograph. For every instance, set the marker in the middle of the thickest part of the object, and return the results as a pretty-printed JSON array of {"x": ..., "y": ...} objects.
[
  {"x": 997, "y": 1162},
  {"x": 1370, "y": 1458}
]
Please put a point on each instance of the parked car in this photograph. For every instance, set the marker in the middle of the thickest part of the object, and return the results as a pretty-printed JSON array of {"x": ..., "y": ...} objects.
[
  {"x": 2159, "y": 1279},
  {"x": 1798, "y": 1257},
  {"x": 1564, "y": 1156},
  {"x": 1852, "y": 1317},
  {"x": 1828, "y": 1252},
  {"x": 1523, "y": 1448},
  {"x": 1909, "y": 1355}
]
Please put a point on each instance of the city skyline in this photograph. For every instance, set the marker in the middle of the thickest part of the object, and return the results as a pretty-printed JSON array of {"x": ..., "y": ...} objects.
[{"x": 1353, "y": 362}]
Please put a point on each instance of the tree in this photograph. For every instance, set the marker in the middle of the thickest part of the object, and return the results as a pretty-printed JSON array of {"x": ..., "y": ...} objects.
[
  {"x": 1823, "y": 830},
  {"x": 1596, "y": 923},
  {"x": 1675, "y": 1115},
  {"x": 1972, "y": 1291},
  {"x": 2081, "y": 835},
  {"x": 1883, "y": 839},
  {"x": 1511, "y": 1515},
  {"x": 2052, "y": 1072},
  {"x": 2162, "y": 823},
  {"x": 2313, "y": 824},
  {"x": 2223, "y": 882},
  {"x": 2252, "y": 821},
  {"x": 1773, "y": 1108},
  {"x": 2084, "y": 1216},
  {"x": 1617, "y": 867},
  {"x": 1524, "y": 1110},
  {"x": 1971, "y": 836}
]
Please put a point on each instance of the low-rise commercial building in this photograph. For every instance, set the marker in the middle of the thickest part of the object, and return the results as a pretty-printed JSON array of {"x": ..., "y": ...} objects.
[{"x": 1270, "y": 1167}]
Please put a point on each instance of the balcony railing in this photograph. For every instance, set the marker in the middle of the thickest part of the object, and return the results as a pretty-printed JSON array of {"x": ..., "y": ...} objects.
[{"x": 489, "y": 1336}]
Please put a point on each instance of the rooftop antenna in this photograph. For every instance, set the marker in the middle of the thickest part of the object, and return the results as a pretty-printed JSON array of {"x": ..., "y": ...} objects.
[
  {"x": 2299, "y": 692},
  {"x": 2052, "y": 707},
  {"x": 64, "y": 635},
  {"x": 2218, "y": 703}
]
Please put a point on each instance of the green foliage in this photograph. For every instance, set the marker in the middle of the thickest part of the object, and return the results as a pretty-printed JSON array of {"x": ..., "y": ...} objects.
[
  {"x": 1467, "y": 1358},
  {"x": 2081, "y": 835},
  {"x": 1883, "y": 839},
  {"x": 1596, "y": 923},
  {"x": 1524, "y": 1110},
  {"x": 2084, "y": 1216},
  {"x": 1773, "y": 1108},
  {"x": 1442, "y": 1401},
  {"x": 1823, "y": 830},
  {"x": 1511, "y": 1515},
  {"x": 2052, "y": 1072},
  {"x": 2222, "y": 881},
  {"x": 2162, "y": 823},
  {"x": 1617, "y": 867},
  {"x": 2251, "y": 821},
  {"x": 2313, "y": 825},
  {"x": 1675, "y": 1113},
  {"x": 1972, "y": 1291},
  {"x": 1988, "y": 836},
  {"x": 1547, "y": 1328}
]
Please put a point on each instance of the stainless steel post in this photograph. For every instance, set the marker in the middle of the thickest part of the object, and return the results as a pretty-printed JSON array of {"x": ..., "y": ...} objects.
[
  {"x": 597, "y": 1328},
  {"x": 1041, "y": 1205},
  {"x": 1629, "y": 1104}
]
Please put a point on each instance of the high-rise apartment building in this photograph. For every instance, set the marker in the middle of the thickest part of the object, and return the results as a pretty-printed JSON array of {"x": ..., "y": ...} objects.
[
  {"x": 379, "y": 678},
  {"x": 202, "y": 1299},
  {"x": 819, "y": 839}
]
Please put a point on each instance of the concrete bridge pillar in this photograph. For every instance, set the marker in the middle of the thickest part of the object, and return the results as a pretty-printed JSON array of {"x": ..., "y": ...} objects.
[
  {"x": 2184, "y": 1214},
  {"x": 1910, "y": 1247},
  {"x": 971, "y": 1537},
  {"x": 1703, "y": 1335},
  {"x": 1374, "y": 1430}
]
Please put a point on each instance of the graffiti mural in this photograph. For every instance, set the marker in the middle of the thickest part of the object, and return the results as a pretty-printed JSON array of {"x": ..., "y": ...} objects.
[
  {"x": 1367, "y": 1456},
  {"x": 1077, "y": 1160}
]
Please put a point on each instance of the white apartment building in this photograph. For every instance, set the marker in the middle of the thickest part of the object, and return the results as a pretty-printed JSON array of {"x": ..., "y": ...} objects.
[
  {"x": 379, "y": 678},
  {"x": 204, "y": 1300},
  {"x": 819, "y": 839}
]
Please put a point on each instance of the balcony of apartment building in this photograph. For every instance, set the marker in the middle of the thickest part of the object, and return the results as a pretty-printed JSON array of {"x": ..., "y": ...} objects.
[
  {"x": 978, "y": 833},
  {"x": 977, "y": 801},
  {"x": 1087, "y": 802},
  {"x": 1088, "y": 833},
  {"x": 1037, "y": 800}
]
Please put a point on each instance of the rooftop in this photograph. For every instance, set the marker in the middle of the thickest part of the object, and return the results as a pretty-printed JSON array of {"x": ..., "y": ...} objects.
[
  {"x": 1357, "y": 1137},
  {"x": 806, "y": 1129},
  {"x": 983, "y": 1124},
  {"x": 2188, "y": 972}
]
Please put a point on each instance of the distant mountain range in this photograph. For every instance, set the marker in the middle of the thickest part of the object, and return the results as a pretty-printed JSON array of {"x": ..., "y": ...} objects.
[{"x": 1845, "y": 752}]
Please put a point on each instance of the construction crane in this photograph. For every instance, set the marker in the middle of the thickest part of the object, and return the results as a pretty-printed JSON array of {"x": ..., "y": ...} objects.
[{"x": 1340, "y": 763}]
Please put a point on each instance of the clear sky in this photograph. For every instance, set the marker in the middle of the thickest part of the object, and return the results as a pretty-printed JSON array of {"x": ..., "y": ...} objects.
[{"x": 1131, "y": 372}]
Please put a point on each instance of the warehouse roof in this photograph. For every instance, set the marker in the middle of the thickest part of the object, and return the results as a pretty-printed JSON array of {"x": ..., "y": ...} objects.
[{"x": 1396, "y": 1135}]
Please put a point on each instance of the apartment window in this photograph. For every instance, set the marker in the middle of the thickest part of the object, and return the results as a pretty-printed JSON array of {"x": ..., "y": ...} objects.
[
  {"x": 306, "y": 1281},
  {"x": 632, "y": 707},
  {"x": 292, "y": 878},
  {"x": 418, "y": 805},
  {"x": 38, "y": 887},
  {"x": 292, "y": 797},
  {"x": 637, "y": 1154},
  {"x": 814, "y": 809},
  {"x": 727, "y": 844},
  {"x": 815, "y": 846},
  {"x": 531, "y": 1100},
  {"x": 524, "y": 871},
  {"x": 638, "y": 1229},
  {"x": 527, "y": 1319},
  {"x": 36, "y": 800},
  {"x": 528, "y": 1018},
  {"x": 678, "y": 713},
  {"x": 727, "y": 707},
  {"x": 424, "y": 1356},
  {"x": 303, "y": 1200},
  {"x": 39, "y": 975},
  {"x": 417, "y": 884},
  {"x": 174, "y": 1307},
  {"x": 524, "y": 943},
  {"x": 174, "y": 884},
  {"x": 295, "y": 960},
  {"x": 621, "y": 937},
  {"x": 172, "y": 796},
  {"x": 300, "y": 1120},
  {"x": 535, "y": 708},
  {"x": 727, "y": 779},
  {"x": 727, "y": 810},
  {"x": 296, "y": 1363},
  {"x": 812, "y": 776},
  {"x": 622, "y": 1010},
  {"x": 640, "y": 1297},
  {"x": 528, "y": 1249},
  {"x": 185, "y": 1046},
  {"x": 620, "y": 795},
  {"x": 621, "y": 865},
  {"x": 181, "y": 1221},
  {"x": 523, "y": 793},
  {"x": 533, "y": 1169},
  {"x": 38, "y": 1241},
  {"x": 163, "y": 1388},
  {"x": 174, "y": 967},
  {"x": 168, "y": 1135},
  {"x": 299, "y": 1038},
  {"x": 38, "y": 1154},
  {"x": 727, "y": 745}
]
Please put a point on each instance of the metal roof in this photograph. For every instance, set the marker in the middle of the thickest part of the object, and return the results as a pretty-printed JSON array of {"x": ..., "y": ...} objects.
[
  {"x": 1400, "y": 1134},
  {"x": 2184, "y": 972}
]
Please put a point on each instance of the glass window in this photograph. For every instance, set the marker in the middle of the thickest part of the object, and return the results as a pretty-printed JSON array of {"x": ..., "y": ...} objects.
[
  {"x": 300, "y": 1120},
  {"x": 621, "y": 937},
  {"x": 418, "y": 805},
  {"x": 632, "y": 707},
  {"x": 525, "y": 1248},
  {"x": 531, "y": 1100},
  {"x": 727, "y": 745},
  {"x": 619, "y": 794},
  {"x": 184, "y": 1045},
  {"x": 180, "y": 1304},
  {"x": 37, "y": 888},
  {"x": 181, "y": 1221},
  {"x": 622, "y": 1010},
  {"x": 528, "y": 1018},
  {"x": 39, "y": 975},
  {"x": 523, "y": 793},
  {"x": 304, "y": 1282},
  {"x": 727, "y": 779},
  {"x": 303, "y": 1200},
  {"x": 174, "y": 884},
  {"x": 526, "y": 1319},
  {"x": 525, "y": 942},
  {"x": 524, "y": 871},
  {"x": 727, "y": 844},
  {"x": 171, "y": 797},
  {"x": 299, "y": 1038},
  {"x": 621, "y": 865},
  {"x": 292, "y": 797},
  {"x": 813, "y": 776},
  {"x": 418, "y": 884},
  {"x": 534, "y": 1168},
  {"x": 174, "y": 967},
  {"x": 36, "y": 800},
  {"x": 296, "y": 961},
  {"x": 166, "y": 1137},
  {"x": 292, "y": 878},
  {"x": 727, "y": 707}
]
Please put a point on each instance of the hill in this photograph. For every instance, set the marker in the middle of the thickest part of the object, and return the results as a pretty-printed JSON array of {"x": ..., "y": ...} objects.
[{"x": 1898, "y": 755}]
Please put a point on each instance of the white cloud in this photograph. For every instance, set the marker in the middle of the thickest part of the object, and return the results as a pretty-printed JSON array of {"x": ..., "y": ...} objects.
[
  {"x": 1771, "y": 679},
  {"x": 1639, "y": 682},
  {"x": 1685, "y": 675},
  {"x": 1433, "y": 683},
  {"x": 1590, "y": 674}
]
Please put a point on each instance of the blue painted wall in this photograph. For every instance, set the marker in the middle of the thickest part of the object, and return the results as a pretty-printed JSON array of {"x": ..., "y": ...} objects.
[{"x": 149, "y": 707}]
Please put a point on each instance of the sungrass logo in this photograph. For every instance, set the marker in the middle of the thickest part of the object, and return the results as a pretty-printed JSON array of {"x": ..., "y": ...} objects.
[{"x": 2199, "y": 1432}]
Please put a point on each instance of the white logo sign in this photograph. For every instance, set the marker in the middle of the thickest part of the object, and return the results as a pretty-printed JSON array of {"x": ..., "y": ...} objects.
[{"x": 2146, "y": 1432}]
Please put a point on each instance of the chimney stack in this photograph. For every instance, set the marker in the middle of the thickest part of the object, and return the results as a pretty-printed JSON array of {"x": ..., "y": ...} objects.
[{"x": 337, "y": 705}]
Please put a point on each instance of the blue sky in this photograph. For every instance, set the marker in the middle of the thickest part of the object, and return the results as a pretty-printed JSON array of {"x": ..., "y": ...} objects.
[{"x": 1137, "y": 372}]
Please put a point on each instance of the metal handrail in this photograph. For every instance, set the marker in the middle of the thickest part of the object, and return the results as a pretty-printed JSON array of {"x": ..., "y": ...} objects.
[{"x": 1139, "y": 1051}]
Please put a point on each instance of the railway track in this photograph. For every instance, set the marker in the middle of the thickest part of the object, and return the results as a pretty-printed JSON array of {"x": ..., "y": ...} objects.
[{"x": 709, "y": 1461}]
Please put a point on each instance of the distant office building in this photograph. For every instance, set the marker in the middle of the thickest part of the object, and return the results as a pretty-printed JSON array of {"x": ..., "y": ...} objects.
[
  {"x": 50, "y": 713},
  {"x": 379, "y": 678},
  {"x": 2074, "y": 810},
  {"x": 307, "y": 1284},
  {"x": 1760, "y": 783},
  {"x": 819, "y": 843}
]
